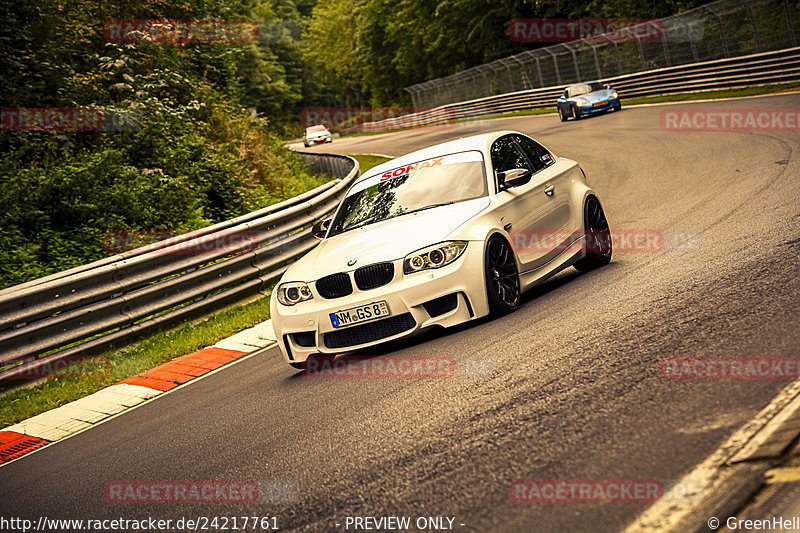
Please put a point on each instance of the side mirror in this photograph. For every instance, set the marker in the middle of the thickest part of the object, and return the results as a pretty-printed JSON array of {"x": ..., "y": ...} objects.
[
  {"x": 514, "y": 177},
  {"x": 321, "y": 228},
  {"x": 609, "y": 87}
]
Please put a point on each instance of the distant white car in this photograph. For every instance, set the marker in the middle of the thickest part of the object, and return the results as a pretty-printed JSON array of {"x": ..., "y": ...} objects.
[
  {"x": 438, "y": 237},
  {"x": 317, "y": 135}
]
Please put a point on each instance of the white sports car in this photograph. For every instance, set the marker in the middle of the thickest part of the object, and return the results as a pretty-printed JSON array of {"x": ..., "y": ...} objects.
[{"x": 438, "y": 237}]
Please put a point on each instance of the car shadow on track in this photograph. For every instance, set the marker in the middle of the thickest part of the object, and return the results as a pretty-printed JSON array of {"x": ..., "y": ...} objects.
[{"x": 437, "y": 332}]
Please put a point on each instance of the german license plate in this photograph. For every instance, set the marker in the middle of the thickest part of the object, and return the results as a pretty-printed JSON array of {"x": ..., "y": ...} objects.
[
  {"x": 601, "y": 104},
  {"x": 362, "y": 313}
]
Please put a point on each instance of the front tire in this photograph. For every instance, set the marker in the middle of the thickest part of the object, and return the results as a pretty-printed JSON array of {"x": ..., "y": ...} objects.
[
  {"x": 598, "y": 237},
  {"x": 502, "y": 277},
  {"x": 576, "y": 113}
]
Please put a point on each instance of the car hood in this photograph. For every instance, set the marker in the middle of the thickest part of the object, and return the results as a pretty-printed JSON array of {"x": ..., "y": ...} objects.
[
  {"x": 596, "y": 96},
  {"x": 383, "y": 241}
]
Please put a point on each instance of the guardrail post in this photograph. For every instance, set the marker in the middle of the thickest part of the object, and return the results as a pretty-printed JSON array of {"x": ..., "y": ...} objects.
[
  {"x": 575, "y": 62},
  {"x": 555, "y": 62},
  {"x": 508, "y": 73},
  {"x": 790, "y": 22},
  {"x": 755, "y": 27},
  {"x": 488, "y": 91},
  {"x": 438, "y": 89},
  {"x": 722, "y": 35},
  {"x": 693, "y": 46},
  {"x": 641, "y": 53},
  {"x": 526, "y": 83},
  {"x": 619, "y": 59},
  {"x": 539, "y": 71},
  {"x": 596, "y": 61},
  {"x": 472, "y": 81},
  {"x": 413, "y": 93}
]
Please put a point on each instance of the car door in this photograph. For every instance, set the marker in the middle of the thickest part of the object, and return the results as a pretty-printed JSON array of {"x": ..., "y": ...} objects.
[
  {"x": 563, "y": 104},
  {"x": 537, "y": 213}
]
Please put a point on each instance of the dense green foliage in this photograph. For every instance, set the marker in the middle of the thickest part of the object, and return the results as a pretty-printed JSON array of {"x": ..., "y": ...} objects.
[
  {"x": 192, "y": 155},
  {"x": 369, "y": 50}
]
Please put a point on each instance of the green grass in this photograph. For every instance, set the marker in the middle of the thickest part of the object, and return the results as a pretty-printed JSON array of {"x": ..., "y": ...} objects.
[
  {"x": 19, "y": 404},
  {"x": 366, "y": 162},
  {"x": 709, "y": 95}
]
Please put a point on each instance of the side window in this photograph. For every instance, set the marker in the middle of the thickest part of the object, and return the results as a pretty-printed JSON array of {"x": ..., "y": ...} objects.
[
  {"x": 566, "y": 93},
  {"x": 539, "y": 157},
  {"x": 506, "y": 155}
]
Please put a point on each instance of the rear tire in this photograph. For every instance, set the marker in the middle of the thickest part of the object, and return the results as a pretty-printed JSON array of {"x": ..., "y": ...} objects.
[
  {"x": 598, "y": 237},
  {"x": 561, "y": 115},
  {"x": 501, "y": 276}
]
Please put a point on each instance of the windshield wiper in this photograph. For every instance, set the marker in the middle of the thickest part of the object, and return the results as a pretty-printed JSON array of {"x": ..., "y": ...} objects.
[{"x": 430, "y": 207}]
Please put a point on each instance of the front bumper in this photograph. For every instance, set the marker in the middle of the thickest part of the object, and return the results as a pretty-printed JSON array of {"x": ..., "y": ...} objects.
[
  {"x": 320, "y": 140},
  {"x": 591, "y": 109},
  {"x": 407, "y": 296}
]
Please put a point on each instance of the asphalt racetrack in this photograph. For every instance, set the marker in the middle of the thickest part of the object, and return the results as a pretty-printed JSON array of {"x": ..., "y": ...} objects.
[{"x": 570, "y": 386}]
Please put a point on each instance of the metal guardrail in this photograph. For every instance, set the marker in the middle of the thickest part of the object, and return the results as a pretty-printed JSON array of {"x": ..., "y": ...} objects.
[
  {"x": 780, "y": 66},
  {"x": 114, "y": 300}
]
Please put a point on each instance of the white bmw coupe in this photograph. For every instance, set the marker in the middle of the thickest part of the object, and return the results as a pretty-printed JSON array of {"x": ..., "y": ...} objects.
[{"x": 438, "y": 237}]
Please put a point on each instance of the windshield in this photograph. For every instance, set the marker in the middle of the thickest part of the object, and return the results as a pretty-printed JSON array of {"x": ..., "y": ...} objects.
[
  {"x": 312, "y": 129},
  {"x": 421, "y": 185},
  {"x": 586, "y": 88}
]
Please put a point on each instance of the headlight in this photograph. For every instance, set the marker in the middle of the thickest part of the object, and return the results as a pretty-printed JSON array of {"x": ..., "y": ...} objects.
[
  {"x": 582, "y": 102},
  {"x": 294, "y": 292},
  {"x": 614, "y": 95},
  {"x": 435, "y": 256}
]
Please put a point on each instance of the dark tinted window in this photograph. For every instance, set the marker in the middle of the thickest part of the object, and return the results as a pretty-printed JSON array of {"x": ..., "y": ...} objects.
[
  {"x": 506, "y": 155},
  {"x": 537, "y": 154},
  {"x": 447, "y": 179}
]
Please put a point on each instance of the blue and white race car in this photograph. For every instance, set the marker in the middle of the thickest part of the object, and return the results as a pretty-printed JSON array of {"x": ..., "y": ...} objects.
[{"x": 587, "y": 98}]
